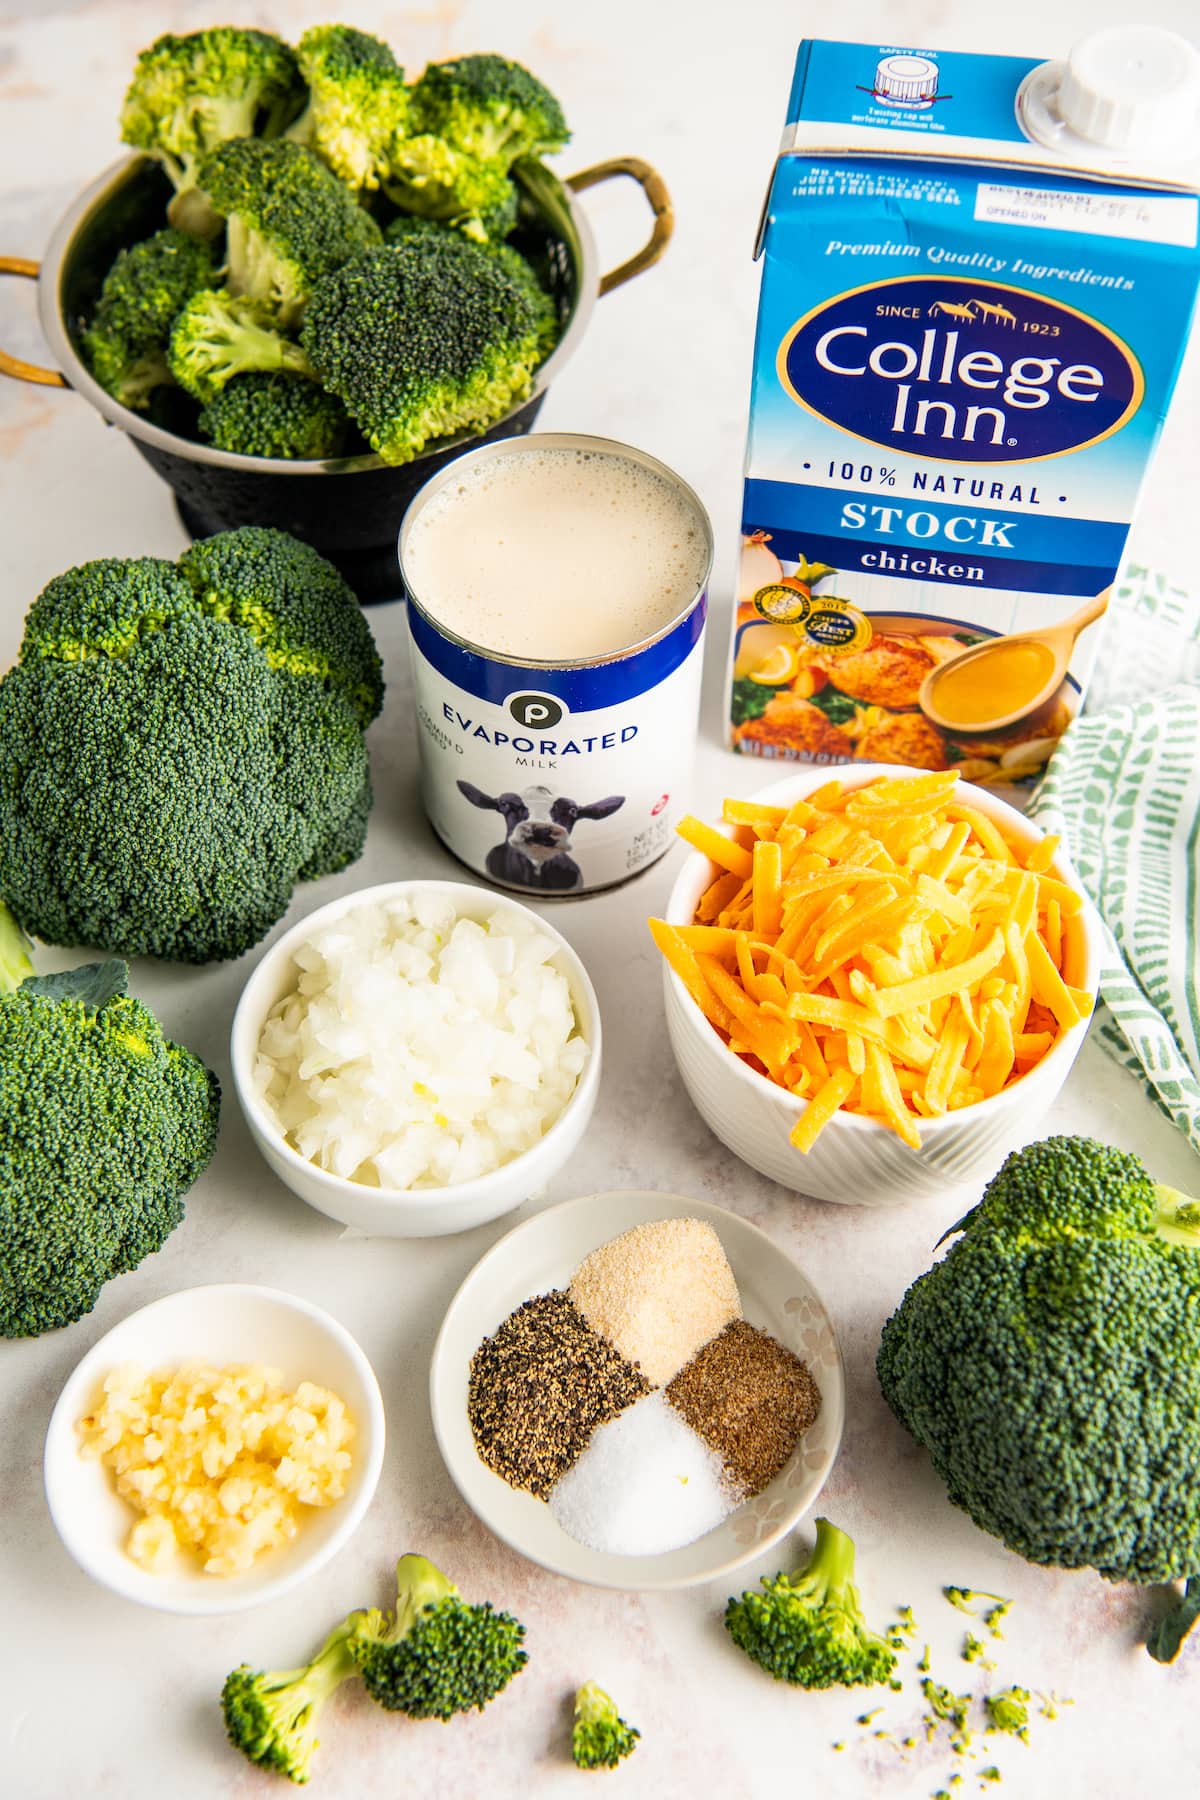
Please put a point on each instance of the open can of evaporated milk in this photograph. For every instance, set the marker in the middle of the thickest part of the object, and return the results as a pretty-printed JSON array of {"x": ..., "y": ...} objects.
[{"x": 556, "y": 591}]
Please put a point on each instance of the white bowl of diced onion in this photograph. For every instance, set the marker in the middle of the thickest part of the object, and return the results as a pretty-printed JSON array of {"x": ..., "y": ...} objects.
[
  {"x": 439, "y": 1068},
  {"x": 856, "y": 1159}
]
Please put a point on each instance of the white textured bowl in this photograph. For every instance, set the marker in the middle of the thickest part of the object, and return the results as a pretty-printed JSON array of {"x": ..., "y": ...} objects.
[
  {"x": 543, "y": 1254},
  {"x": 414, "y": 1212},
  {"x": 855, "y": 1160},
  {"x": 226, "y": 1323}
]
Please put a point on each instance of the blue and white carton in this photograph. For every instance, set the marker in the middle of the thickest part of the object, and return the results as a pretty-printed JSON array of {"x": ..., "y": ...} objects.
[{"x": 978, "y": 278}]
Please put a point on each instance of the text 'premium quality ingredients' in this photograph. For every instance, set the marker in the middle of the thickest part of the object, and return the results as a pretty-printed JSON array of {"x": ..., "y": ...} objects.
[
  {"x": 419, "y": 1049},
  {"x": 222, "y": 1462}
]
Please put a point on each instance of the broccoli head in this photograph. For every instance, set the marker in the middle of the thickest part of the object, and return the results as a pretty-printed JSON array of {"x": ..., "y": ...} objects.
[
  {"x": 808, "y": 1628},
  {"x": 357, "y": 102},
  {"x": 125, "y": 342},
  {"x": 1050, "y": 1364},
  {"x": 436, "y": 1655},
  {"x": 288, "y": 221},
  {"x": 433, "y": 180},
  {"x": 278, "y": 414},
  {"x": 189, "y": 94},
  {"x": 489, "y": 108},
  {"x": 272, "y": 1717},
  {"x": 104, "y": 1126},
  {"x": 600, "y": 1738},
  {"x": 216, "y": 337},
  {"x": 420, "y": 344},
  {"x": 180, "y": 746},
  {"x": 444, "y": 240}
]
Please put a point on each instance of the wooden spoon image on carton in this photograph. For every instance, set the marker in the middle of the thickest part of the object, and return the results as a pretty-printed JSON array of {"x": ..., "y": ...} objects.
[{"x": 997, "y": 683}]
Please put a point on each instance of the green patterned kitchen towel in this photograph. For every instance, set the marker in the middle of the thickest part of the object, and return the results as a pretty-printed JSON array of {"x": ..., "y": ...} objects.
[{"x": 1123, "y": 789}]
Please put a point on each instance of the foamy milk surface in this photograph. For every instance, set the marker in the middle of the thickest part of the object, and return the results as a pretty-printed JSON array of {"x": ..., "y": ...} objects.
[{"x": 556, "y": 555}]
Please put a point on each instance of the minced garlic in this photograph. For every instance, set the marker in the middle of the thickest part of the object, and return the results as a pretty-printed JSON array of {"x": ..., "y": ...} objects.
[{"x": 220, "y": 1461}]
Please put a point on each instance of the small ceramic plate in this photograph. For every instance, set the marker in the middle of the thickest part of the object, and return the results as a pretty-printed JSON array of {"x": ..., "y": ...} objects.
[
  {"x": 227, "y": 1323},
  {"x": 543, "y": 1254}
]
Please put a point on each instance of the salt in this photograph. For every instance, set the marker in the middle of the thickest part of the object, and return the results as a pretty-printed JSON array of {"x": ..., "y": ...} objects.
[{"x": 645, "y": 1484}]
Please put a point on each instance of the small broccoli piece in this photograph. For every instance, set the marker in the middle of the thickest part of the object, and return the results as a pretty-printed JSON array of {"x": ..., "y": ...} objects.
[
  {"x": 217, "y": 337},
  {"x": 288, "y": 222},
  {"x": 125, "y": 342},
  {"x": 180, "y": 747},
  {"x": 272, "y": 1718},
  {"x": 808, "y": 1629},
  {"x": 296, "y": 607},
  {"x": 1050, "y": 1364},
  {"x": 278, "y": 414},
  {"x": 420, "y": 344},
  {"x": 357, "y": 102},
  {"x": 974, "y": 1650},
  {"x": 430, "y": 178},
  {"x": 490, "y": 108},
  {"x": 1167, "y": 1638},
  {"x": 1008, "y": 1711},
  {"x": 189, "y": 94},
  {"x": 600, "y": 1738},
  {"x": 104, "y": 1126},
  {"x": 437, "y": 1655},
  {"x": 946, "y": 1708}
]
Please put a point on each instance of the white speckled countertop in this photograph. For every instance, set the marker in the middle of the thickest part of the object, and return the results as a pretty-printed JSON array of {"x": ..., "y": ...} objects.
[{"x": 103, "y": 1699}]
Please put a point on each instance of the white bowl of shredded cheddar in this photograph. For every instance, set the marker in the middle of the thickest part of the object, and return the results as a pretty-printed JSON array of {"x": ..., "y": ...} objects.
[
  {"x": 875, "y": 987},
  {"x": 214, "y": 1449}
]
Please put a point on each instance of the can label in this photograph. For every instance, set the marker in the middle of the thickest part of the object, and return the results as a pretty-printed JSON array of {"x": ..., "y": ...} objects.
[{"x": 556, "y": 781}]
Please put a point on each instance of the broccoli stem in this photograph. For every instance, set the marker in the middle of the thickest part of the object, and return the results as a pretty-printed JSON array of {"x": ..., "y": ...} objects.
[
  {"x": 15, "y": 965},
  {"x": 1178, "y": 1216},
  {"x": 831, "y": 1567},
  {"x": 419, "y": 1583},
  {"x": 1166, "y": 1640}
]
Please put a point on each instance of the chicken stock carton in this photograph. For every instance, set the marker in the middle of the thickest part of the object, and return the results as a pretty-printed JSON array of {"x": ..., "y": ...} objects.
[{"x": 967, "y": 342}]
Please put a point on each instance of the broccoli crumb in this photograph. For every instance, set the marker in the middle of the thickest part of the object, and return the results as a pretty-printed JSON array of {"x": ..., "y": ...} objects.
[
  {"x": 1008, "y": 1711},
  {"x": 923, "y": 1665},
  {"x": 868, "y": 1718},
  {"x": 949, "y": 1709},
  {"x": 974, "y": 1650},
  {"x": 991, "y": 1773}
]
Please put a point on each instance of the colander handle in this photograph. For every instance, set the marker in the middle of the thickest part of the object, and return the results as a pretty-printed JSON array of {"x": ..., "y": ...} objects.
[
  {"x": 658, "y": 199},
  {"x": 12, "y": 365}
]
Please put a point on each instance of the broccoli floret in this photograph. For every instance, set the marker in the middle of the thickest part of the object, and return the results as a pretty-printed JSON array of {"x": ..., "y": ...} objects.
[
  {"x": 419, "y": 344},
  {"x": 600, "y": 1738},
  {"x": 357, "y": 102},
  {"x": 1008, "y": 1711},
  {"x": 104, "y": 1126},
  {"x": 180, "y": 747},
  {"x": 296, "y": 607},
  {"x": 808, "y": 1628},
  {"x": 1050, "y": 1364},
  {"x": 437, "y": 1655},
  {"x": 491, "y": 108},
  {"x": 288, "y": 222},
  {"x": 277, "y": 414},
  {"x": 272, "y": 1717},
  {"x": 189, "y": 94},
  {"x": 440, "y": 239},
  {"x": 433, "y": 180},
  {"x": 125, "y": 343},
  {"x": 217, "y": 337}
]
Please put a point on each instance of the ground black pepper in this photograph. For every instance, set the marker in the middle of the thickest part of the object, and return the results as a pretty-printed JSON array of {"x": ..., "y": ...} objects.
[
  {"x": 539, "y": 1387},
  {"x": 750, "y": 1399}
]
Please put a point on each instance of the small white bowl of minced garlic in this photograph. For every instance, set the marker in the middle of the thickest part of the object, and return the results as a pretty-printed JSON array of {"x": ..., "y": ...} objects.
[{"x": 214, "y": 1449}]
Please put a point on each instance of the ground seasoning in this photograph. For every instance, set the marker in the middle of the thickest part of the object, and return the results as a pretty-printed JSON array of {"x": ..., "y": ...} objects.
[
  {"x": 658, "y": 1293},
  {"x": 539, "y": 1387},
  {"x": 750, "y": 1399}
]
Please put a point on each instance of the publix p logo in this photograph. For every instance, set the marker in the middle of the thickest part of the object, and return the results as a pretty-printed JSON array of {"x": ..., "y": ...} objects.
[
  {"x": 537, "y": 712},
  {"x": 959, "y": 370}
]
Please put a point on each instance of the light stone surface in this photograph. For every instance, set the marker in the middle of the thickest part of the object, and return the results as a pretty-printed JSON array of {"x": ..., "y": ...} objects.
[{"x": 103, "y": 1699}]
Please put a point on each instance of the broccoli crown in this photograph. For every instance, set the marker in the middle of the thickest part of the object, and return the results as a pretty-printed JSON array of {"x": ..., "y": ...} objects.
[
  {"x": 432, "y": 179},
  {"x": 441, "y": 239},
  {"x": 357, "y": 102},
  {"x": 1050, "y": 1364},
  {"x": 189, "y": 94},
  {"x": 420, "y": 343},
  {"x": 490, "y": 108},
  {"x": 275, "y": 414},
  {"x": 178, "y": 749},
  {"x": 288, "y": 220},
  {"x": 126, "y": 339},
  {"x": 808, "y": 1629},
  {"x": 295, "y": 606},
  {"x": 216, "y": 337},
  {"x": 104, "y": 1126},
  {"x": 272, "y": 1717},
  {"x": 600, "y": 1738},
  {"x": 438, "y": 1655}
]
